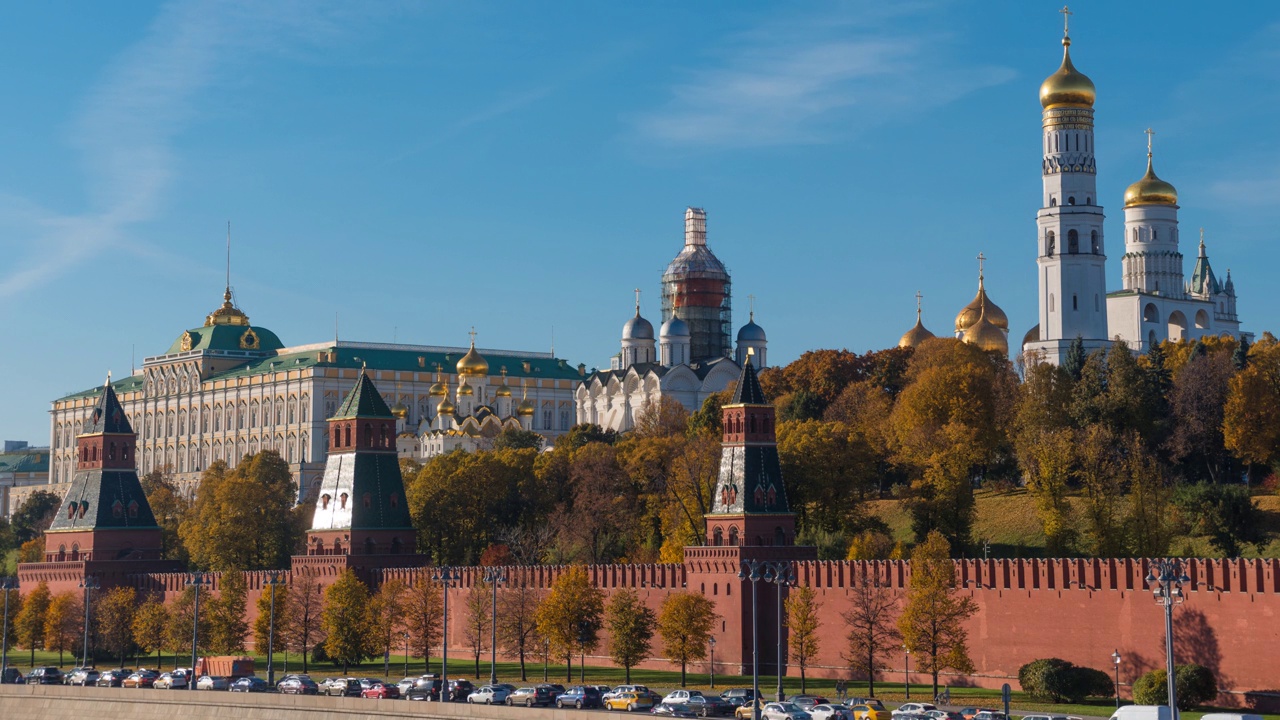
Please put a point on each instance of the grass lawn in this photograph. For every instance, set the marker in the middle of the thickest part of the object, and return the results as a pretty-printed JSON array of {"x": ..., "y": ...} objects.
[{"x": 659, "y": 680}]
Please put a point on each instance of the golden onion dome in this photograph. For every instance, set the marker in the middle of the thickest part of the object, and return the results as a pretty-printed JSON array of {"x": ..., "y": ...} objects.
[
  {"x": 987, "y": 336},
  {"x": 980, "y": 305},
  {"x": 502, "y": 391},
  {"x": 1150, "y": 190},
  {"x": 228, "y": 314},
  {"x": 915, "y": 335},
  {"x": 445, "y": 407},
  {"x": 464, "y": 388},
  {"x": 437, "y": 389},
  {"x": 400, "y": 411},
  {"x": 1067, "y": 87},
  {"x": 525, "y": 407},
  {"x": 473, "y": 363}
]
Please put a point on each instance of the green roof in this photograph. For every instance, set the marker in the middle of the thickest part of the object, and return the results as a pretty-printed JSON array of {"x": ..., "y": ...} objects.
[
  {"x": 25, "y": 461},
  {"x": 225, "y": 337},
  {"x": 363, "y": 401}
]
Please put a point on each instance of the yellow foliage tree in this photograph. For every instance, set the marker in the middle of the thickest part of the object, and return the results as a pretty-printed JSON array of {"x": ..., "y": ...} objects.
[
  {"x": 571, "y": 615},
  {"x": 60, "y": 622},
  {"x": 345, "y": 622},
  {"x": 685, "y": 623},
  {"x": 932, "y": 622},
  {"x": 802, "y": 608},
  {"x": 150, "y": 623},
  {"x": 262, "y": 624},
  {"x": 30, "y": 620},
  {"x": 1251, "y": 421}
]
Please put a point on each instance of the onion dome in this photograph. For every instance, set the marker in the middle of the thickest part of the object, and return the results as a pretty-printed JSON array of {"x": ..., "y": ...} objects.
[
  {"x": 525, "y": 407},
  {"x": 464, "y": 388},
  {"x": 987, "y": 336},
  {"x": 473, "y": 363},
  {"x": 1067, "y": 87},
  {"x": 751, "y": 332},
  {"x": 445, "y": 407},
  {"x": 637, "y": 328},
  {"x": 228, "y": 314},
  {"x": 400, "y": 411},
  {"x": 438, "y": 389},
  {"x": 981, "y": 305},
  {"x": 503, "y": 391},
  {"x": 1032, "y": 336},
  {"x": 1150, "y": 190},
  {"x": 675, "y": 327},
  {"x": 917, "y": 334}
]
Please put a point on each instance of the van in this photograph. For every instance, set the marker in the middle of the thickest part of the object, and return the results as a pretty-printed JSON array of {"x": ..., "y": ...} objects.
[
  {"x": 1142, "y": 712},
  {"x": 1231, "y": 716}
]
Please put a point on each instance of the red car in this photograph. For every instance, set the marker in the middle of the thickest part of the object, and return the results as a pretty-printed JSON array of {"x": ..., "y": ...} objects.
[{"x": 382, "y": 692}]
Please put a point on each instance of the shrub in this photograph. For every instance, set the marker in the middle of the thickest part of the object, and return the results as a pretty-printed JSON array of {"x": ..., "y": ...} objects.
[
  {"x": 1096, "y": 683},
  {"x": 1058, "y": 680},
  {"x": 1196, "y": 685},
  {"x": 1032, "y": 676}
]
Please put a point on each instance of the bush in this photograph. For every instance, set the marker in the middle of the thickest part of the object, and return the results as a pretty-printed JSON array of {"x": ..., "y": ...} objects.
[
  {"x": 1058, "y": 681},
  {"x": 1032, "y": 676},
  {"x": 1196, "y": 685},
  {"x": 1096, "y": 683}
]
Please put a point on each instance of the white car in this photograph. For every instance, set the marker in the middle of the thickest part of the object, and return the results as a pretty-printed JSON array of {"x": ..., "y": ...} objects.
[
  {"x": 831, "y": 711},
  {"x": 680, "y": 696},
  {"x": 213, "y": 682},
  {"x": 175, "y": 680},
  {"x": 488, "y": 695},
  {"x": 914, "y": 709},
  {"x": 784, "y": 711}
]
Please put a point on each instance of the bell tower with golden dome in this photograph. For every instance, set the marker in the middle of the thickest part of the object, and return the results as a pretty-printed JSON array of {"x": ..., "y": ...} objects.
[
  {"x": 1071, "y": 257},
  {"x": 1152, "y": 263}
]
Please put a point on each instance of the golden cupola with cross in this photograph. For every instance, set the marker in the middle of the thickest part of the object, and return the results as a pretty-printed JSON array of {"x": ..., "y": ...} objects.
[
  {"x": 918, "y": 333},
  {"x": 982, "y": 322}
]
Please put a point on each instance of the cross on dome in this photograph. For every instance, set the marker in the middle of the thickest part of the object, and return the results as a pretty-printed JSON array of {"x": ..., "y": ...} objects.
[{"x": 1066, "y": 19}]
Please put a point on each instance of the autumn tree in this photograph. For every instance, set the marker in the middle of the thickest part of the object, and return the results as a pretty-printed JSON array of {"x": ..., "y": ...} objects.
[
  {"x": 61, "y": 622},
  {"x": 262, "y": 625},
  {"x": 385, "y": 618},
  {"x": 631, "y": 625},
  {"x": 826, "y": 464},
  {"x": 685, "y": 622},
  {"x": 14, "y": 603},
  {"x": 345, "y": 623},
  {"x": 150, "y": 627},
  {"x": 1251, "y": 418},
  {"x": 423, "y": 614},
  {"x": 665, "y": 417},
  {"x": 30, "y": 620},
  {"x": 571, "y": 614},
  {"x": 303, "y": 628},
  {"x": 1148, "y": 519},
  {"x": 1198, "y": 400},
  {"x": 179, "y": 633},
  {"x": 477, "y": 618},
  {"x": 596, "y": 520},
  {"x": 932, "y": 622},
  {"x": 227, "y": 624},
  {"x": 259, "y": 494},
  {"x": 518, "y": 619},
  {"x": 113, "y": 617},
  {"x": 170, "y": 508},
  {"x": 1099, "y": 460},
  {"x": 1047, "y": 461},
  {"x": 871, "y": 629},
  {"x": 801, "y": 607}
]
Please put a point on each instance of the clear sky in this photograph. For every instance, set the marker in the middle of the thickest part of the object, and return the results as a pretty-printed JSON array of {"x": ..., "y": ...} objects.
[{"x": 423, "y": 167}]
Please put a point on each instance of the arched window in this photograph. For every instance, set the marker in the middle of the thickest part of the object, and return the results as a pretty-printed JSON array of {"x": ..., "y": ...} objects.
[
  {"x": 717, "y": 537},
  {"x": 1051, "y": 243},
  {"x": 1053, "y": 202},
  {"x": 111, "y": 449},
  {"x": 368, "y": 500},
  {"x": 779, "y": 537},
  {"x": 1155, "y": 235},
  {"x": 396, "y": 546},
  {"x": 395, "y": 500},
  {"x": 1135, "y": 234},
  {"x": 370, "y": 547},
  {"x": 324, "y": 501},
  {"x": 368, "y": 434},
  {"x": 1071, "y": 200},
  {"x": 124, "y": 453},
  {"x": 1073, "y": 242},
  {"x": 133, "y": 508},
  {"x": 342, "y": 501},
  {"x": 733, "y": 536},
  {"x": 337, "y": 547},
  {"x": 1075, "y": 305},
  {"x": 346, "y": 436},
  {"x": 1095, "y": 248},
  {"x": 1088, "y": 200},
  {"x": 1050, "y": 302}
]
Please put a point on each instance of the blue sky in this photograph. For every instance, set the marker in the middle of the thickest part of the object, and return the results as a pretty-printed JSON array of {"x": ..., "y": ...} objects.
[{"x": 423, "y": 167}]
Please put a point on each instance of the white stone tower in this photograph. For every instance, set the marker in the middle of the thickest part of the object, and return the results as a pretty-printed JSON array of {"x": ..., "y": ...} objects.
[
  {"x": 1072, "y": 256},
  {"x": 1152, "y": 262}
]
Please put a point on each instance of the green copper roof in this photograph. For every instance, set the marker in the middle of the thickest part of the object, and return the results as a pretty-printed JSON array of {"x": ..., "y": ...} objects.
[
  {"x": 25, "y": 461},
  {"x": 748, "y": 391},
  {"x": 363, "y": 401},
  {"x": 107, "y": 416},
  {"x": 226, "y": 337}
]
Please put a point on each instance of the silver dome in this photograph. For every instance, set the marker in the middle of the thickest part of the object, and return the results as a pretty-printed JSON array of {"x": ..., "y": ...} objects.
[
  {"x": 751, "y": 332},
  {"x": 637, "y": 328},
  {"x": 675, "y": 327}
]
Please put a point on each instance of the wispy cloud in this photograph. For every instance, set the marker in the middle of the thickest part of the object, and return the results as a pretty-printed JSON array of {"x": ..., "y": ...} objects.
[
  {"x": 127, "y": 125},
  {"x": 815, "y": 80}
]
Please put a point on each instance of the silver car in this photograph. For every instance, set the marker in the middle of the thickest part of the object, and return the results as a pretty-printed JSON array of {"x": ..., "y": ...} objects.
[
  {"x": 213, "y": 682},
  {"x": 488, "y": 695},
  {"x": 784, "y": 711}
]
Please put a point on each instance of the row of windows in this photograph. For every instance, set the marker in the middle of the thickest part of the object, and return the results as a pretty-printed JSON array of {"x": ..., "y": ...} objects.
[
  {"x": 1073, "y": 243},
  {"x": 1071, "y": 200},
  {"x": 1075, "y": 302},
  {"x": 718, "y": 537},
  {"x": 1064, "y": 142}
]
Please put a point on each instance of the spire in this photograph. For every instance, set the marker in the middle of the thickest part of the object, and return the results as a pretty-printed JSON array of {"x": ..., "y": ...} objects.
[
  {"x": 748, "y": 391},
  {"x": 107, "y": 416},
  {"x": 363, "y": 401},
  {"x": 695, "y": 226}
]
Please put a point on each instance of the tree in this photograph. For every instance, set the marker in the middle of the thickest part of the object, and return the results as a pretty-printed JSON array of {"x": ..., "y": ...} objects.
[
  {"x": 259, "y": 493},
  {"x": 685, "y": 623},
  {"x": 1197, "y": 400},
  {"x": 385, "y": 618},
  {"x": 932, "y": 623},
  {"x": 596, "y": 522},
  {"x": 802, "y": 609},
  {"x": 825, "y": 464},
  {"x": 1073, "y": 363},
  {"x": 1047, "y": 460},
  {"x": 345, "y": 623},
  {"x": 150, "y": 626},
  {"x": 424, "y": 612},
  {"x": 1225, "y": 513},
  {"x": 170, "y": 508},
  {"x": 1195, "y": 685},
  {"x": 1148, "y": 518},
  {"x": 1251, "y": 418},
  {"x": 518, "y": 619},
  {"x": 227, "y": 624},
  {"x": 871, "y": 630},
  {"x": 262, "y": 635},
  {"x": 302, "y": 618},
  {"x": 631, "y": 625},
  {"x": 479, "y": 611},
  {"x": 517, "y": 439},
  {"x": 15, "y": 608},
  {"x": 570, "y": 616},
  {"x": 179, "y": 634},
  {"x": 30, "y": 620},
  {"x": 113, "y": 617},
  {"x": 31, "y": 551},
  {"x": 34, "y": 515},
  {"x": 61, "y": 621},
  {"x": 1099, "y": 459}
]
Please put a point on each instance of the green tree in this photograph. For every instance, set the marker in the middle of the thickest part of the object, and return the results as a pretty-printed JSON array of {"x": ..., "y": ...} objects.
[
  {"x": 61, "y": 621},
  {"x": 1073, "y": 363},
  {"x": 802, "y": 608},
  {"x": 518, "y": 619},
  {"x": 871, "y": 630},
  {"x": 30, "y": 620},
  {"x": 932, "y": 622},
  {"x": 1197, "y": 399},
  {"x": 685, "y": 622},
  {"x": 386, "y": 617},
  {"x": 170, "y": 508},
  {"x": 303, "y": 628},
  {"x": 423, "y": 612},
  {"x": 1225, "y": 513},
  {"x": 150, "y": 627},
  {"x": 631, "y": 625},
  {"x": 1148, "y": 518},
  {"x": 1047, "y": 460},
  {"x": 824, "y": 463},
  {"x": 178, "y": 634},
  {"x": 345, "y": 622},
  {"x": 516, "y": 439},
  {"x": 259, "y": 493},
  {"x": 228, "y": 626},
  {"x": 113, "y": 616},
  {"x": 571, "y": 614},
  {"x": 34, "y": 515},
  {"x": 262, "y": 635},
  {"x": 1099, "y": 464}
]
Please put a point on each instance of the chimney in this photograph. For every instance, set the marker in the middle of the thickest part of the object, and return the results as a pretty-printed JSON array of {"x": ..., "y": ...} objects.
[{"x": 695, "y": 226}]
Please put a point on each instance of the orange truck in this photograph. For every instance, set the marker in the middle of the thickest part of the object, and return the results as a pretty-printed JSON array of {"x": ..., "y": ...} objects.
[{"x": 232, "y": 666}]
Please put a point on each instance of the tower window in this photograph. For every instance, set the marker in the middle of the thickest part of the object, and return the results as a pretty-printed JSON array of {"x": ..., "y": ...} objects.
[
  {"x": 1154, "y": 234},
  {"x": 1071, "y": 200},
  {"x": 1073, "y": 240},
  {"x": 1093, "y": 242},
  {"x": 1088, "y": 200},
  {"x": 1074, "y": 305},
  {"x": 1050, "y": 302},
  {"x": 1053, "y": 202},
  {"x": 1050, "y": 246},
  {"x": 1135, "y": 234}
]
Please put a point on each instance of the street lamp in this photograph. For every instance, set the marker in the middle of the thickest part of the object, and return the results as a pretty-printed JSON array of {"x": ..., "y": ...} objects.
[
  {"x": 89, "y": 584},
  {"x": 1115, "y": 658},
  {"x": 1165, "y": 578},
  {"x": 711, "y": 666},
  {"x": 782, "y": 575},
  {"x": 6, "y": 584},
  {"x": 405, "y": 633},
  {"x": 546, "y": 657},
  {"x": 444, "y": 576},
  {"x": 906, "y": 670},
  {"x": 273, "y": 579},
  {"x": 753, "y": 571},
  {"x": 195, "y": 580},
  {"x": 494, "y": 576}
]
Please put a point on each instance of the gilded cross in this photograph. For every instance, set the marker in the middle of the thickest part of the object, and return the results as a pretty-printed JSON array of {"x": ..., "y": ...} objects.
[
  {"x": 1149, "y": 133},
  {"x": 751, "y": 305},
  {"x": 1066, "y": 18},
  {"x": 473, "y": 335},
  {"x": 919, "y": 296},
  {"x": 981, "y": 259}
]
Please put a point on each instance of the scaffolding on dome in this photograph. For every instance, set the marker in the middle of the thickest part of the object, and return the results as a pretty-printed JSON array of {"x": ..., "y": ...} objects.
[{"x": 696, "y": 285}]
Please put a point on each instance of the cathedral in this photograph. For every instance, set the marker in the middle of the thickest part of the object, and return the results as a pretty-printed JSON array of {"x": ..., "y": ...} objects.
[
  {"x": 1154, "y": 303},
  {"x": 690, "y": 357}
]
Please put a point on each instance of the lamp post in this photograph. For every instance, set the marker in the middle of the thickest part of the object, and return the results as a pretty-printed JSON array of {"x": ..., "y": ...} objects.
[
  {"x": 89, "y": 584},
  {"x": 406, "y": 652},
  {"x": 273, "y": 579},
  {"x": 782, "y": 575},
  {"x": 753, "y": 571},
  {"x": 195, "y": 580},
  {"x": 444, "y": 576},
  {"x": 582, "y": 650},
  {"x": 1115, "y": 658},
  {"x": 1165, "y": 578},
  {"x": 546, "y": 657},
  {"x": 6, "y": 584},
  {"x": 494, "y": 576},
  {"x": 906, "y": 670},
  {"x": 711, "y": 666}
]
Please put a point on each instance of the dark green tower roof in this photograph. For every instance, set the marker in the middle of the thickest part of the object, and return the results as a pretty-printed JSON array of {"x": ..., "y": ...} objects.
[
  {"x": 107, "y": 415},
  {"x": 364, "y": 401},
  {"x": 748, "y": 391}
]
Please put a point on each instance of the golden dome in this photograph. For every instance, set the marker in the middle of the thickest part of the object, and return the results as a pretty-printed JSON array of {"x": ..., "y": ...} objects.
[
  {"x": 473, "y": 363},
  {"x": 228, "y": 314},
  {"x": 464, "y": 388},
  {"x": 445, "y": 407},
  {"x": 1150, "y": 190},
  {"x": 400, "y": 411},
  {"x": 980, "y": 305},
  {"x": 525, "y": 408},
  {"x": 503, "y": 391},
  {"x": 1067, "y": 87},
  {"x": 915, "y": 335},
  {"x": 987, "y": 336},
  {"x": 437, "y": 389}
]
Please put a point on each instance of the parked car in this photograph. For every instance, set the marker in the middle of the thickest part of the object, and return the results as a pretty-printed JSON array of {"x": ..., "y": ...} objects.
[
  {"x": 673, "y": 708},
  {"x": 250, "y": 684},
  {"x": 784, "y": 711},
  {"x": 969, "y": 712},
  {"x": 66, "y": 674},
  {"x": 641, "y": 690},
  {"x": 990, "y": 715},
  {"x": 630, "y": 701},
  {"x": 426, "y": 687},
  {"x": 47, "y": 675},
  {"x": 914, "y": 709},
  {"x": 580, "y": 696},
  {"x": 12, "y": 676},
  {"x": 871, "y": 709},
  {"x": 84, "y": 677},
  {"x": 173, "y": 680},
  {"x": 489, "y": 695},
  {"x": 708, "y": 705},
  {"x": 953, "y": 715},
  {"x": 113, "y": 678},
  {"x": 679, "y": 696},
  {"x": 141, "y": 679},
  {"x": 747, "y": 710},
  {"x": 831, "y": 711},
  {"x": 1142, "y": 712},
  {"x": 808, "y": 701},
  {"x": 298, "y": 685},
  {"x": 342, "y": 687},
  {"x": 529, "y": 696},
  {"x": 737, "y": 697},
  {"x": 381, "y": 691},
  {"x": 460, "y": 690},
  {"x": 213, "y": 682}
]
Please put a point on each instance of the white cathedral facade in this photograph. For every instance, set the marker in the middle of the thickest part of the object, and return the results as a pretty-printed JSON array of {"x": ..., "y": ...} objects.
[{"x": 1154, "y": 303}]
